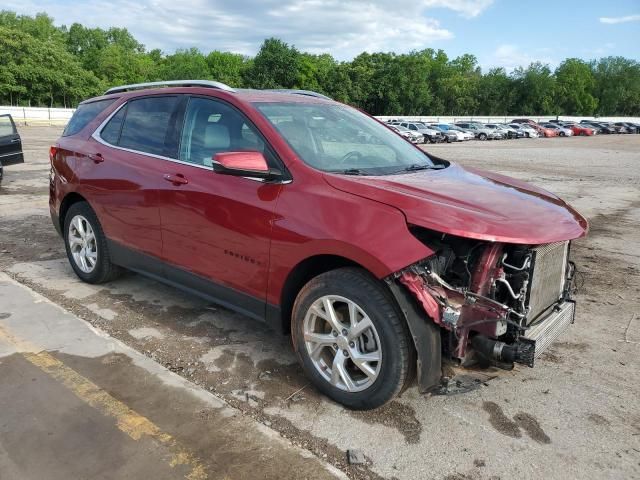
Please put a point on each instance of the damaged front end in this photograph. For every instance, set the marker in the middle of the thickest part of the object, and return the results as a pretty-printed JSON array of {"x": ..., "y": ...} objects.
[{"x": 494, "y": 303}]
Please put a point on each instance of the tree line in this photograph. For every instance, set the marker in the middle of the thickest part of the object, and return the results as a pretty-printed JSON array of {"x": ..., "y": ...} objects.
[{"x": 45, "y": 65}]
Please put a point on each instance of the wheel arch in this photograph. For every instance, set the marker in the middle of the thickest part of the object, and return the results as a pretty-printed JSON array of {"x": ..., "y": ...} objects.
[
  {"x": 302, "y": 273},
  {"x": 69, "y": 199}
]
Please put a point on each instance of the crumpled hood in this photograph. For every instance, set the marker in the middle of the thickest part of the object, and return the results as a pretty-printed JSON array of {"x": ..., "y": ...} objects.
[{"x": 471, "y": 203}]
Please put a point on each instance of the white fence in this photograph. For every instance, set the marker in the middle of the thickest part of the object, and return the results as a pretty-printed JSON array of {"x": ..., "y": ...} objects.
[
  {"x": 501, "y": 119},
  {"x": 38, "y": 115},
  {"x": 60, "y": 116}
]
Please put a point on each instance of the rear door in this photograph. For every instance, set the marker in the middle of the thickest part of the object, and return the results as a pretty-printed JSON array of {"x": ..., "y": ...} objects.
[
  {"x": 122, "y": 167},
  {"x": 10, "y": 142}
]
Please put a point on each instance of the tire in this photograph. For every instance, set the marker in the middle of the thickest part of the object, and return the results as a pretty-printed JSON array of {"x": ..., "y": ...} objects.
[
  {"x": 93, "y": 243},
  {"x": 482, "y": 136},
  {"x": 387, "y": 338}
]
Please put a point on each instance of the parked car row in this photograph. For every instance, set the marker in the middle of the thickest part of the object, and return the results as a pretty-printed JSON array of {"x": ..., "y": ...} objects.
[{"x": 427, "y": 132}]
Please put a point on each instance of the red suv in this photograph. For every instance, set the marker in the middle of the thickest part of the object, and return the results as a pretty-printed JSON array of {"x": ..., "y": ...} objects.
[{"x": 380, "y": 259}]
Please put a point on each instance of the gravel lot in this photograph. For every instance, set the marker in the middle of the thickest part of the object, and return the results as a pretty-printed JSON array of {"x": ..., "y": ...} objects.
[{"x": 576, "y": 415}]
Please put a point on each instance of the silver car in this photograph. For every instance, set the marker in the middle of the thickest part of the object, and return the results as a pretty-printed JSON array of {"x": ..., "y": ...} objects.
[{"x": 480, "y": 131}]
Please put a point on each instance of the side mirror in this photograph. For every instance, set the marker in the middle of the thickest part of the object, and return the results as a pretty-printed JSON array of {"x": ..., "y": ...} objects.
[{"x": 243, "y": 164}]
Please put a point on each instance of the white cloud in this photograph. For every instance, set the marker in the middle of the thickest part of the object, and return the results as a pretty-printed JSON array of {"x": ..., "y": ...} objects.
[
  {"x": 616, "y": 20},
  {"x": 467, "y": 8},
  {"x": 342, "y": 28},
  {"x": 510, "y": 56}
]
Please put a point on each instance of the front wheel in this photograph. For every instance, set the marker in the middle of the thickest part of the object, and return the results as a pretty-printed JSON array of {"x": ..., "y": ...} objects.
[
  {"x": 350, "y": 339},
  {"x": 482, "y": 136}
]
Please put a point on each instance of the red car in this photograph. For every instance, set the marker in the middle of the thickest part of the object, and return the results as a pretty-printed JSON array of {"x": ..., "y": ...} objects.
[
  {"x": 378, "y": 258},
  {"x": 580, "y": 129}
]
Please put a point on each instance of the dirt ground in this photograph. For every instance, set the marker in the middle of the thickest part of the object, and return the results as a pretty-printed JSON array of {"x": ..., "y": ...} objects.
[{"x": 575, "y": 415}]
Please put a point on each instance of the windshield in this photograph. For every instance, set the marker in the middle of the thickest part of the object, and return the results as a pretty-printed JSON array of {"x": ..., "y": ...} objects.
[{"x": 337, "y": 138}]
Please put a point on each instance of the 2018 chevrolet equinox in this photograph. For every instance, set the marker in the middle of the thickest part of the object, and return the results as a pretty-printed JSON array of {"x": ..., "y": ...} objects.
[{"x": 380, "y": 259}]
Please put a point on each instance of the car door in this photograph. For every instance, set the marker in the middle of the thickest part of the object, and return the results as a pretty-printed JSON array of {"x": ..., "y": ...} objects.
[
  {"x": 216, "y": 228},
  {"x": 10, "y": 142},
  {"x": 123, "y": 169}
]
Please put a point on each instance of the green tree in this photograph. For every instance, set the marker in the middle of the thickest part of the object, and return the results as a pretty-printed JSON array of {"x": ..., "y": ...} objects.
[
  {"x": 617, "y": 86},
  {"x": 227, "y": 67},
  {"x": 574, "y": 88},
  {"x": 275, "y": 66},
  {"x": 496, "y": 93},
  {"x": 184, "y": 64},
  {"x": 37, "y": 72},
  {"x": 535, "y": 90}
]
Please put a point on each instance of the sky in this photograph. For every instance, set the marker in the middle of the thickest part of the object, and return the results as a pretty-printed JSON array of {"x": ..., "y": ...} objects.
[{"x": 500, "y": 33}]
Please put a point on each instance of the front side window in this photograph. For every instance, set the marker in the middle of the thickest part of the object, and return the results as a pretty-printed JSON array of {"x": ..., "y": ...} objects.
[
  {"x": 337, "y": 138},
  {"x": 211, "y": 127},
  {"x": 147, "y": 126},
  {"x": 6, "y": 126}
]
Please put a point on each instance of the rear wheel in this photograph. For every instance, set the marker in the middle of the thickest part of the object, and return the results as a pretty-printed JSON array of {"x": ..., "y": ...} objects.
[
  {"x": 350, "y": 339},
  {"x": 86, "y": 245}
]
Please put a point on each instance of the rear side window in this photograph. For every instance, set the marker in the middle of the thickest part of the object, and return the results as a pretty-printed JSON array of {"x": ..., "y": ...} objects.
[
  {"x": 6, "y": 126},
  {"x": 148, "y": 126},
  {"x": 84, "y": 114}
]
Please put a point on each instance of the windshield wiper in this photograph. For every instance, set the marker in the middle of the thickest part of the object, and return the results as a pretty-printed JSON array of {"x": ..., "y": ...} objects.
[
  {"x": 349, "y": 171},
  {"x": 421, "y": 166}
]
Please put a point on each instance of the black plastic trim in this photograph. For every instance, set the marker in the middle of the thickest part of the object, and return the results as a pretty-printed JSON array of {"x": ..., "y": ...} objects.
[
  {"x": 181, "y": 279},
  {"x": 426, "y": 338}
]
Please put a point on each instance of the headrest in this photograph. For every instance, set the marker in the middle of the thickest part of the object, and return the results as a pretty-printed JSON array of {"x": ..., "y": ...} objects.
[{"x": 216, "y": 137}]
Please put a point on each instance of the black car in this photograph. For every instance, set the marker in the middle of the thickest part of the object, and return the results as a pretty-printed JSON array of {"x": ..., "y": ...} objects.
[
  {"x": 629, "y": 126},
  {"x": 10, "y": 143}
]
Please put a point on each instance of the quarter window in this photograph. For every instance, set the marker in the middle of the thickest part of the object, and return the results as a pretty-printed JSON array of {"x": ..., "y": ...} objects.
[
  {"x": 111, "y": 131},
  {"x": 148, "y": 125},
  {"x": 84, "y": 114},
  {"x": 212, "y": 127}
]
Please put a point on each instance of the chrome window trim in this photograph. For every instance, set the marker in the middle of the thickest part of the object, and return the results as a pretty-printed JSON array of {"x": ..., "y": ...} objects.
[{"x": 96, "y": 136}]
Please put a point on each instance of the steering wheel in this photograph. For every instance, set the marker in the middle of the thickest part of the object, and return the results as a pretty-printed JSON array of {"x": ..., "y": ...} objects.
[{"x": 353, "y": 154}]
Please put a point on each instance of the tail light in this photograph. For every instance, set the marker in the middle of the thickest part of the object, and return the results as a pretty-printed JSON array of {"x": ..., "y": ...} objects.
[{"x": 53, "y": 151}]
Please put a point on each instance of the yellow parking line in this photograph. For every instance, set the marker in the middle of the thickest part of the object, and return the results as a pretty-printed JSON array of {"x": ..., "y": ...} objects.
[{"x": 127, "y": 420}]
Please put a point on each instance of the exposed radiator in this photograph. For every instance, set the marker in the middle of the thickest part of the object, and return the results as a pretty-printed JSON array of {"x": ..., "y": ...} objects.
[{"x": 548, "y": 276}]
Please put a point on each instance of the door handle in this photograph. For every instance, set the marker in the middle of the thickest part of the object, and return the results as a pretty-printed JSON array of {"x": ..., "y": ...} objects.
[
  {"x": 177, "y": 179},
  {"x": 15, "y": 140},
  {"x": 96, "y": 157}
]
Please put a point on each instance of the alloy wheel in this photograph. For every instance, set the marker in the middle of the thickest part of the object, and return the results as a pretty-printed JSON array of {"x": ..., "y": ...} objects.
[
  {"x": 342, "y": 343},
  {"x": 82, "y": 244}
]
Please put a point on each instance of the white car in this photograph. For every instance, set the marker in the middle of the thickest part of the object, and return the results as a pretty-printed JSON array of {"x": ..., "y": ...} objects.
[
  {"x": 460, "y": 134},
  {"x": 498, "y": 128},
  {"x": 413, "y": 137},
  {"x": 528, "y": 131},
  {"x": 434, "y": 136}
]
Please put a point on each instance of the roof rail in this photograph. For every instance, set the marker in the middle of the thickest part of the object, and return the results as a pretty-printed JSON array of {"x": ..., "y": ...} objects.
[
  {"x": 308, "y": 93},
  {"x": 170, "y": 83}
]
